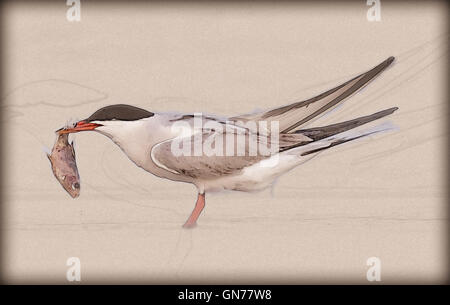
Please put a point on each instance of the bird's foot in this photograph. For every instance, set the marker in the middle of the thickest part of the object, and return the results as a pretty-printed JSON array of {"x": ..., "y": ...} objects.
[
  {"x": 191, "y": 222},
  {"x": 189, "y": 225}
]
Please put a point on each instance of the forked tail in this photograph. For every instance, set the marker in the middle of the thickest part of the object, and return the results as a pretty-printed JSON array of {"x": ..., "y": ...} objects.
[{"x": 332, "y": 135}]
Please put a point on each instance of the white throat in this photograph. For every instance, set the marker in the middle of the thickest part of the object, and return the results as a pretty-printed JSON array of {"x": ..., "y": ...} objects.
[{"x": 133, "y": 137}]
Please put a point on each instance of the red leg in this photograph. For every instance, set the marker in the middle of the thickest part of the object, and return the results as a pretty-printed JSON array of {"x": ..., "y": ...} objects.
[{"x": 199, "y": 205}]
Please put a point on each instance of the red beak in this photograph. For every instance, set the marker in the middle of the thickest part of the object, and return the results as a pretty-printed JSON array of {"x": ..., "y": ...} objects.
[{"x": 80, "y": 126}]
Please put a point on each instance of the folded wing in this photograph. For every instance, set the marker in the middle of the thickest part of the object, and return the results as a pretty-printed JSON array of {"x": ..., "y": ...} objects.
[
  {"x": 294, "y": 116},
  {"x": 211, "y": 153}
]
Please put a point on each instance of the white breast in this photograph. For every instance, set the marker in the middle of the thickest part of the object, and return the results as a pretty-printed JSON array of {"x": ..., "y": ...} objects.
[{"x": 136, "y": 139}]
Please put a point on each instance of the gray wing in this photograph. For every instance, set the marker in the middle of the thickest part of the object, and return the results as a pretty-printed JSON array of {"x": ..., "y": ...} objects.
[
  {"x": 222, "y": 153},
  {"x": 293, "y": 116},
  {"x": 205, "y": 166}
]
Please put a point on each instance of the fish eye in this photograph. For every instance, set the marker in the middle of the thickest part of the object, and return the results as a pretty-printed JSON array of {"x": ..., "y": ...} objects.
[{"x": 76, "y": 185}]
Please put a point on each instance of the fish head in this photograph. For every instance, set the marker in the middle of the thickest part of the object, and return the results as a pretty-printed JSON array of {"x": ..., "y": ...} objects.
[
  {"x": 68, "y": 178},
  {"x": 71, "y": 183}
]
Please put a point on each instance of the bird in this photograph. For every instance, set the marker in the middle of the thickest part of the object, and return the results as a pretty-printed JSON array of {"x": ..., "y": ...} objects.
[{"x": 167, "y": 144}]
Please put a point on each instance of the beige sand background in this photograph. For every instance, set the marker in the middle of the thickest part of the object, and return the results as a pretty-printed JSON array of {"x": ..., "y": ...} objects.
[{"x": 383, "y": 196}]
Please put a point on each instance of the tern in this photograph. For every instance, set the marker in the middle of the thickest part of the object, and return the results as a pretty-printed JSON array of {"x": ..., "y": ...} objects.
[{"x": 149, "y": 139}]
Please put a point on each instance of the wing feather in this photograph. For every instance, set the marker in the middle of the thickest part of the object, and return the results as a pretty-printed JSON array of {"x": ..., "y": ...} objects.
[
  {"x": 293, "y": 116},
  {"x": 204, "y": 166},
  {"x": 179, "y": 156}
]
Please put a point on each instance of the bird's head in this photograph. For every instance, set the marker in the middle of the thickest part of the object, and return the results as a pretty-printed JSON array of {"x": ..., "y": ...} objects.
[{"x": 107, "y": 116}]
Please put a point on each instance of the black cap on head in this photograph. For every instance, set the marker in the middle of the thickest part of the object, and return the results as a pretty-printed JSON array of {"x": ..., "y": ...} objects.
[{"x": 119, "y": 112}]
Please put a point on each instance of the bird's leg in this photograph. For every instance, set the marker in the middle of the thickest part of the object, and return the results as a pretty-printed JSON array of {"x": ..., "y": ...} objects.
[{"x": 199, "y": 205}]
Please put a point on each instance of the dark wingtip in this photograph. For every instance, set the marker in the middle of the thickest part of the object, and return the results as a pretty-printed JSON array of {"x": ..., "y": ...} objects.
[
  {"x": 390, "y": 60},
  {"x": 391, "y": 110},
  {"x": 385, "y": 112}
]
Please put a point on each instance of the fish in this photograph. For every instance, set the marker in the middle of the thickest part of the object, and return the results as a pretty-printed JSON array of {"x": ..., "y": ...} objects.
[{"x": 64, "y": 166}]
